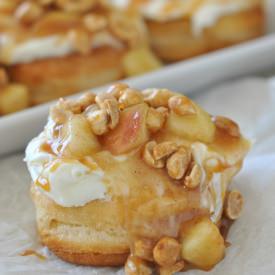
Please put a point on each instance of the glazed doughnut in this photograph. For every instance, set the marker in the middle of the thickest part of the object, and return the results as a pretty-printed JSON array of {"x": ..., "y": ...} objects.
[
  {"x": 144, "y": 174},
  {"x": 181, "y": 29},
  {"x": 57, "y": 48}
]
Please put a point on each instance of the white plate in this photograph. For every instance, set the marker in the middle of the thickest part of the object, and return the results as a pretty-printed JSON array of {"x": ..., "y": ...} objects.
[{"x": 186, "y": 76}]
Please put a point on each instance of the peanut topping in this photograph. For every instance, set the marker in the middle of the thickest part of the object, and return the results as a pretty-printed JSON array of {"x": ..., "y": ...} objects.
[
  {"x": 233, "y": 204},
  {"x": 116, "y": 89},
  {"x": 172, "y": 269},
  {"x": 111, "y": 107},
  {"x": 164, "y": 149},
  {"x": 144, "y": 249},
  {"x": 155, "y": 119},
  {"x": 148, "y": 156},
  {"x": 76, "y": 6},
  {"x": 124, "y": 27},
  {"x": 157, "y": 97},
  {"x": 101, "y": 97},
  {"x": 178, "y": 163},
  {"x": 181, "y": 105},
  {"x": 3, "y": 77},
  {"x": 28, "y": 12},
  {"x": 69, "y": 105},
  {"x": 58, "y": 115},
  {"x": 99, "y": 121},
  {"x": 193, "y": 180},
  {"x": 137, "y": 266},
  {"x": 130, "y": 97},
  {"x": 94, "y": 22},
  {"x": 86, "y": 100},
  {"x": 80, "y": 40},
  {"x": 228, "y": 125},
  {"x": 166, "y": 251}
]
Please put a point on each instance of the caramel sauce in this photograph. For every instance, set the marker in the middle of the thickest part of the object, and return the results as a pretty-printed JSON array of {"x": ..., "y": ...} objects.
[
  {"x": 43, "y": 183},
  {"x": 46, "y": 147},
  {"x": 30, "y": 252}
]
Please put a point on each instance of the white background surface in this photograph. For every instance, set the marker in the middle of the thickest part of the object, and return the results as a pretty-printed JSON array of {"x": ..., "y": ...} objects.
[{"x": 251, "y": 102}]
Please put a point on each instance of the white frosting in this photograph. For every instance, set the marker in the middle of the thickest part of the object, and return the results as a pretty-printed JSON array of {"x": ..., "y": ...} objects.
[
  {"x": 71, "y": 183},
  {"x": 54, "y": 46},
  {"x": 213, "y": 202},
  {"x": 209, "y": 13},
  {"x": 206, "y": 15}
]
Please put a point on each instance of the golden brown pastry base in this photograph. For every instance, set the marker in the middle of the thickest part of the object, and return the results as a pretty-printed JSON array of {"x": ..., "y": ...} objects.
[
  {"x": 57, "y": 77},
  {"x": 174, "y": 40},
  {"x": 88, "y": 235}
]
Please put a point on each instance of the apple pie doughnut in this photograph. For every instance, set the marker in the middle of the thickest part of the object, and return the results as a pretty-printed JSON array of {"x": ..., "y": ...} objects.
[
  {"x": 140, "y": 178},
  {"x": 59, "y": 47},
  {"x": 180, "y": 29}
]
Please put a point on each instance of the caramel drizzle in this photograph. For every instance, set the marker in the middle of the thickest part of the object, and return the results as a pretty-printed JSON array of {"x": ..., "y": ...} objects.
[{"x": 30, "y": 252}]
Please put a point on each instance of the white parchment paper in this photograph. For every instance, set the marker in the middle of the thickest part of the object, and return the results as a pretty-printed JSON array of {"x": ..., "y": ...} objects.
[{"x": 252, "y": 103}]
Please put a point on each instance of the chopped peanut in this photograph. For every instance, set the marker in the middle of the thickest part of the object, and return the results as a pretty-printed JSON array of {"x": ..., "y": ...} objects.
[
  {"x": 80, "y": 40},
  {"x": 181, "y": 105},
  {"x": 124, "y": 27},
  {"x": 227, "y": 125},
  {"x": 144, "y": 249},
  {"x": 130, "y": 97},
  {"x": 86, "y": 100},
  {"x": 100, "y": 98},
  {"x": 111, "y": 107},
  {"x": 28, "y": 12},
  {"x": 233, "y": 205},
  {"x": 157, "y": 97},
  {"x": 69, "y": 105},
  {"x": 137, "y": 266},
  {"x": 170, "y": 270},
  {"x": 99, "y": 121},
  {"x": 193, "y": 180},
  {"x": 178, "y": 163},
  {"x": 117, "y": 89},
  {"x": 58, "y": 115},
  {"x": 94, "y": 22},
  {"x": 155, "y": 119},
  {"x": 166, "y": 251},
  {"x": 164, "y": 149},
  {"x": 148, "y": 156}
]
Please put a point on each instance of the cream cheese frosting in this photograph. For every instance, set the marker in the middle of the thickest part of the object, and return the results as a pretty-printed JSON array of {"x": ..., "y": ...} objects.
[
  {"x": 50, "y": 46},
  {"x": 70, "y": 182},
  {"x": 203, "y": 15},
  {"x": 212, "y": 191}
]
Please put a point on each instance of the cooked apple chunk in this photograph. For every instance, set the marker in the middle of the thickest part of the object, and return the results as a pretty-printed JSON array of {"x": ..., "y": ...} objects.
[
  {"x": 78, "y": 138},
  {"x": 196, "y": 125},
  {"x": 202, "y": 243},
  {"x": 131, "y": 131}
]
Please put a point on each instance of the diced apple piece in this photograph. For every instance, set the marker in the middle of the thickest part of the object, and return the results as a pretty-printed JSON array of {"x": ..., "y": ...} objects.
[
  {"x": 13, "y": 98},
  {"x": 131, "y": 131},
  {"x": 79, "y": 140},
  {"x": 139, "y": 61},
  {"x": 198, "y": 126},
  {"x": 202, "y": 243}
]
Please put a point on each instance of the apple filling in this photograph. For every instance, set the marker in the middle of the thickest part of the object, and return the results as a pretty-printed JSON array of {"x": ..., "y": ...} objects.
[{"x": 171, "y": 186}]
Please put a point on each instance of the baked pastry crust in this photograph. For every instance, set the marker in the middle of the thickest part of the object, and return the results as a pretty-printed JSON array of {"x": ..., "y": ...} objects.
[
  {"x": 174, "y": 40},
  {"x": 166, "y": 165},
  {"x": 57, "y": 77}
]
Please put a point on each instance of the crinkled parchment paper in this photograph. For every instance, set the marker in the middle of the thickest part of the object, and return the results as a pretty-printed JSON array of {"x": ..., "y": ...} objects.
[{"x": 252, "y": 103}]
